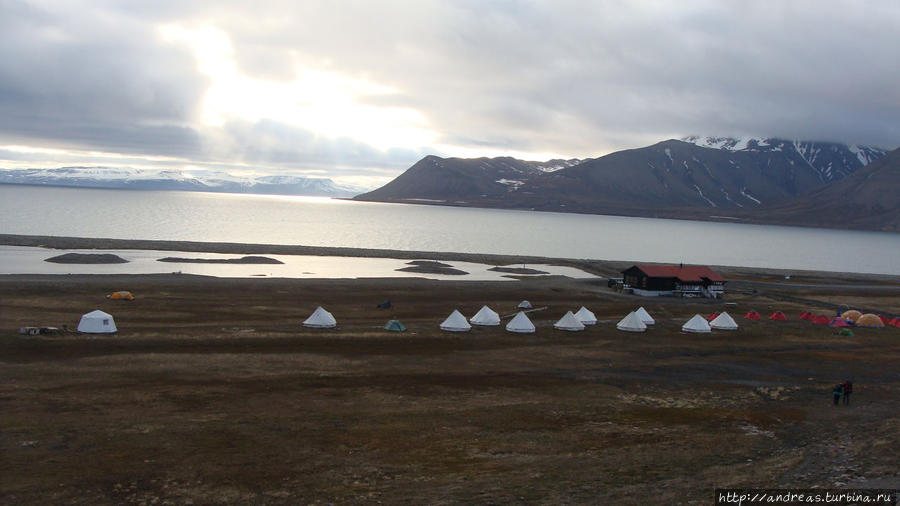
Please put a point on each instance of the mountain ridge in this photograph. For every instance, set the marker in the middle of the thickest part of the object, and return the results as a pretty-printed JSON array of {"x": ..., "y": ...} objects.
[{"x": 670, "y": 179}]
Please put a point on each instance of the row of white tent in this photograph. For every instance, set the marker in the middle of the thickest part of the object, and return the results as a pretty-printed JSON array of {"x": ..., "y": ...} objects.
[
  {"x": 520, "y": 323},
  {"x": 98, "y": 322},
  {"x": 637, "y": 321}
]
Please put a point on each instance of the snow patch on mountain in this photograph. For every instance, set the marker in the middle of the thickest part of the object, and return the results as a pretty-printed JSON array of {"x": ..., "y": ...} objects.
[
  {"x": 513, "y": 184},
  {"x": 726, "y": 143},
  {"x": 557, "y": 164}
]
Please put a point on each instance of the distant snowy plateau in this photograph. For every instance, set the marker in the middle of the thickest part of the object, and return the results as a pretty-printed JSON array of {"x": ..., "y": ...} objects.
[{"x": 203, "y": 181}]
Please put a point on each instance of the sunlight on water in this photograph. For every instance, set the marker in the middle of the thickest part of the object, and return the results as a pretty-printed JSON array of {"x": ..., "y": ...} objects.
[
  {"x": 27, "y": 260},
  {"x": 315, "y": 221}
]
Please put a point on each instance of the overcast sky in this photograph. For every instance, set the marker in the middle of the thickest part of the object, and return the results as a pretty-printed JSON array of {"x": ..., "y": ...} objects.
[{"x": 360, "y": 90}]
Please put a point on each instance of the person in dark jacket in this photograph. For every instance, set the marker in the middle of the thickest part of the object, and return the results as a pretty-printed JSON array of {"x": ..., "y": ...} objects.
[
  {"x": 847, "y": 390},
  {"x": 837, "y": 391}
]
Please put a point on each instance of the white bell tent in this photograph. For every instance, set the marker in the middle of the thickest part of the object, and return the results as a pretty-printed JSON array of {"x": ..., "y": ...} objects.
[
  {"x": 320, "y": 319},
  {"x": 645, "y": 316},
  {"x": 569, "y": 322},
  {"x": 456, "y": 322},
  {"x": 485, "y": 316},
  {"x": 724, "y": 322},
  {"x": 696, "y": 324},
  {"x": 632, "y": 323},
  {"x": 520, "y": 324},
  {"x": 585, "y": 316}
]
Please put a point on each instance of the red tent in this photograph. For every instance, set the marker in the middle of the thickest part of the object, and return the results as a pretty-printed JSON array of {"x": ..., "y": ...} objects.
[
  {"x": 821, "y": 319},
  {"x": 777, "y": 315},
  {"x": 806, "y": 315},
  {"x": 712, "y": 317},
  {"x": 884, "y": 319},
  {"x": 894, "y": 321},
  {"x": 837, "y": 321},
  {"x": 752, "y": 315}
]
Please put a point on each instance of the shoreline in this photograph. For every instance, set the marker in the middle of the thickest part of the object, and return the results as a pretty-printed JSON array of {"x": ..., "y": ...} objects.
[{"x": 599, "y": 267}]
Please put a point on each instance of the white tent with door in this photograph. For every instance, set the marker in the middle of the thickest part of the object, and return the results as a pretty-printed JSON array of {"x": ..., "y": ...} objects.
[
  {"x": 456, "y": 322},
  {"x": 524, "y": 305},
  {"x": 585, "y": 316},
  {"x": 520, "y": 323},
  {"x": 485, "y": 316},
  {"x": 631, "y": 323},
  {"x": 696, "y": 324},
  {"x": 724, "y": 322},
  {"x": 645, "y": 316},
  {"x": 320, "y": 319},
  {"x": 97, "y": 322},
  {"x": 569, "y": 322}
]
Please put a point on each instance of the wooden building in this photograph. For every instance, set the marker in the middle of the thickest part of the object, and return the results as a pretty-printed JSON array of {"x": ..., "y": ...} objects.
[{"x": 675, "y": 280}]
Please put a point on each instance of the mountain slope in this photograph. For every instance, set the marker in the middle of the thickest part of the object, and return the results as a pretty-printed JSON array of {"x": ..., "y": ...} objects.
[
  {"x": 441, "y": 179},
  {"x": 868, "y": 199},
  {"x": 672, "y": 178}
]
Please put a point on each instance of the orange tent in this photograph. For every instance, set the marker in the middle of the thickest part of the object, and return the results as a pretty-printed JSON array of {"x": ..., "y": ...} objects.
[
  {"x": 752, "y": 315},
  {"x": 851, "y": 315},
  {"x": 777, "y": 315},
  {"x": 120, "y": 296},
  {"x": 869, "y": 320}
]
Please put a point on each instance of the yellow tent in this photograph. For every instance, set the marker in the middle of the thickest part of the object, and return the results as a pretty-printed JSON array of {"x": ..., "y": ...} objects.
[
  {"x": 869, "y": 320},
  {"x": 851, "y": 315},
  {"x": 120, "y": 296}
]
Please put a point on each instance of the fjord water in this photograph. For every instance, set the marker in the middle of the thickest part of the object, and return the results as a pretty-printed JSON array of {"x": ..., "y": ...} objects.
[{"x": 215, "y": 217}]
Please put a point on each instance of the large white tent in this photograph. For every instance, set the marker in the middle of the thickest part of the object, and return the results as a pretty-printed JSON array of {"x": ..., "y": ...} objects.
[
  {"x": 520, "y": 323},
  {"x": 569, "y": 322},
  {"x": 456, "y": 322},
  {"x": 696, "y": 324},
  {"x": 631, "y": 323},
  {"x": 97, "y": 322},
  {"x": 485, "y": 316},
  {"x": 585, "y": 316},
  {"x": 724, "y": 322},
  {"x": 320, "y": 319},
  {"x": 645, "y": 316}
]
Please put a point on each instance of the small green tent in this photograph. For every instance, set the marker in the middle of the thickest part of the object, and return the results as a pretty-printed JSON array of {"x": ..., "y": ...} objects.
[
  {"x": 846, "y": 332},
  {"x": 395, "y": 326}
]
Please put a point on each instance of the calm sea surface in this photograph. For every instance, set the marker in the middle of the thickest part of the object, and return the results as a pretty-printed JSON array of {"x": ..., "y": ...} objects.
[{"x": 215, "y": 217}]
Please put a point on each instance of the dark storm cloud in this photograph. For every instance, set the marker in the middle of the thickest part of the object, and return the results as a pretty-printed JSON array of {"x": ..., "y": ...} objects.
[
  {"x": 576, "y": 78},
  {"x": 95, "y": 79},
  {"x": 585, "y": 77}
]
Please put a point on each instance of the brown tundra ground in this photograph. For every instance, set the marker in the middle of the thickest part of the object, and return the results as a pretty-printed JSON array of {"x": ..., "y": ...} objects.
[{"x": 213, "y": 393}]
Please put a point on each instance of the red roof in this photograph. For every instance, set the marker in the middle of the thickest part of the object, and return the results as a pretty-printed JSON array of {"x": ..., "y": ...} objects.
[{"x": 682, "y": 273}]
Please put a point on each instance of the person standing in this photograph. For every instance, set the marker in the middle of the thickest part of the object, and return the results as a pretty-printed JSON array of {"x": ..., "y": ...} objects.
[
  {"x": 836, "y": 392},
  {"x": 847, "y": 390}
]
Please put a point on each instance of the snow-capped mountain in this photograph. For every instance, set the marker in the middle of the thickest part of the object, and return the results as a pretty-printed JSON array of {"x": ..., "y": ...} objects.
[
  {"x": 195, "y": 180},
  {"x": 831, "y": 161},
  {"x": 673, "y": 178}
]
